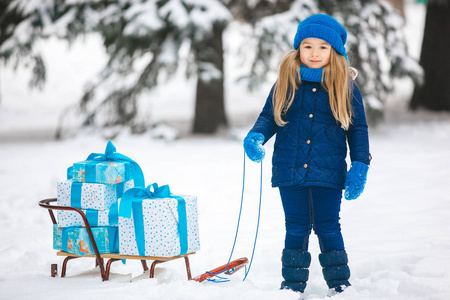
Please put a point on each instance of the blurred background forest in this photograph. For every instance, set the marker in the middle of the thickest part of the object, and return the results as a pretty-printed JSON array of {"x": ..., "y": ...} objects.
[{"x": 178, "y": 67}]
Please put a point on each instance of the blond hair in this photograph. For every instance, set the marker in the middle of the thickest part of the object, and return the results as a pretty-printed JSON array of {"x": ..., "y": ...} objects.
[{"x": 335, "y": 74}]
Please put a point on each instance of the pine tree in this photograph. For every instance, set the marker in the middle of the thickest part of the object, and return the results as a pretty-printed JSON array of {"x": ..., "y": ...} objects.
[
  {"x": 142, "y": 40},
  {"x": 20, "y": 27}
]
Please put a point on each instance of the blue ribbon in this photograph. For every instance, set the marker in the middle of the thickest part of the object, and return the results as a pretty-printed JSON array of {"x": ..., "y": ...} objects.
[
  {"x": 64, "y": 240},
  {"x": 139, "y": 226},
  {"x": 69, "y": 173},
  {"x": 113, "y": 215},
  {"x": 110, "y": 155},
  {"x": 132, "y": 201},
  {"x": 120, "y": 187},
  {"x": 113, "y": 235},
  {"x": 182, "y": 224},
  {"x": 92, "y": 216},
  {"x": 90, "y": 171},
  {"x": 75, "y": 194}
]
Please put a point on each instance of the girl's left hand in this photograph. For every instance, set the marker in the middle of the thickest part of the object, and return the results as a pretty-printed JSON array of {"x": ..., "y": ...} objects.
[{"x": 355, "y": 180}]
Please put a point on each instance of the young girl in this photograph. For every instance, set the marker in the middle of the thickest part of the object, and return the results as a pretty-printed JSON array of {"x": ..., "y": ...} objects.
[{"x": 314, "y": 108}]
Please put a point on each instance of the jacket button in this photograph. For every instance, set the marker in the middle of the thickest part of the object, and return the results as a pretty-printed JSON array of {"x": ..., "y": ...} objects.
[
  {"x": 310, "y": 115},
  {"x": 305, "y": 166},
  {"x": 314, "y": 90},
  {"x": 308, "y": 142}
]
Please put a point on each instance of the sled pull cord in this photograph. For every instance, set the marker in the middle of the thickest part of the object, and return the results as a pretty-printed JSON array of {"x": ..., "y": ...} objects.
[
  {"x": 238, "y": 222},
  {"x": 259, "y": 215}
]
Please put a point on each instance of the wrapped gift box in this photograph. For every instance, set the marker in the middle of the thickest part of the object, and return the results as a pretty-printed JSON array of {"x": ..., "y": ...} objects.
[
  {"x": 57, "y": 234},
  {"x": 76, "y": 240},
  {"x": 106, "y": 172},
  {"x": 160, "y": 221},
  {"x": 90, "y": 195},
  {"x": 69, "y": 218}
]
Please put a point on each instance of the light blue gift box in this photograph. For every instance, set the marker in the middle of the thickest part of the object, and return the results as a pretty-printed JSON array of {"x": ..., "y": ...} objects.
[
  {"x": 108, "y": 168},
  {"x": 107, "y": 172},
  {"x": 76, "y": 240}
]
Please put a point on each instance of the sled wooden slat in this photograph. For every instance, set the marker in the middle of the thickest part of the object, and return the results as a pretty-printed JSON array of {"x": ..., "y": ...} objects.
[{"x": 111, "y": 256}]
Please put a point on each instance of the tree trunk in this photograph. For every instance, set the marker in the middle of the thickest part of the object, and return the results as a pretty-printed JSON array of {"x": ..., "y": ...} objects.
[
  {"x": 434, "y": 94},
  {"x": 398, "y": 5},
  {"x": 210, "y": 104}
]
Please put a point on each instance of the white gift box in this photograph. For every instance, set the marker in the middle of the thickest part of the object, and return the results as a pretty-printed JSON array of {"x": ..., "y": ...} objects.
[
  {"x": 160, "y": 219},
  {"x": 69, "y": 218},
  {"x": 96, "y": 196}
]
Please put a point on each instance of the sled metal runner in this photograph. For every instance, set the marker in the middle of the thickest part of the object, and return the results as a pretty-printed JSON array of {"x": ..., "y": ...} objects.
[{"x": 228, "y": 269}]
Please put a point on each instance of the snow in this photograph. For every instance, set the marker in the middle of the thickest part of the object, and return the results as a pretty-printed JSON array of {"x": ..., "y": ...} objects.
[{"x": 396, "y": 233}]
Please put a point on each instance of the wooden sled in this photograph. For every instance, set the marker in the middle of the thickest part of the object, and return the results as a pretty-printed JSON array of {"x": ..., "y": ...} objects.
[{"x": 229, "y": 269}]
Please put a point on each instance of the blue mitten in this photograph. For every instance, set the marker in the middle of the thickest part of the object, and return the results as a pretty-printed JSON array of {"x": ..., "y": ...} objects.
[
  {"x": 253, "y": 146},
  {"x": 355, "y": 180}
]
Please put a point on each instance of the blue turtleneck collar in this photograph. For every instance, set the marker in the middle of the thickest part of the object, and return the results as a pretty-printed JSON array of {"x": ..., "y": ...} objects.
[{"x": 308, "y": 74}]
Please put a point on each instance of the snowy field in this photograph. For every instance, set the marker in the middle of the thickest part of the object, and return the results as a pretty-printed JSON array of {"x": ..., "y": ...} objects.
[{"x": 396, "y": 233}]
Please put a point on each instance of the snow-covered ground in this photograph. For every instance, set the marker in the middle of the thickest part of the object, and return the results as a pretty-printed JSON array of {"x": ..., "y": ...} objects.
[{"x": 396, "y": 233}]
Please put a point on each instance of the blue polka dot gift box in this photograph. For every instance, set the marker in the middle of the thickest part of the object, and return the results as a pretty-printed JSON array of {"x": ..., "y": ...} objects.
[
  {"x": 158, "y": 223},
  {"x": 76, "y": 240},
  {"x": 95, "y": 196}
]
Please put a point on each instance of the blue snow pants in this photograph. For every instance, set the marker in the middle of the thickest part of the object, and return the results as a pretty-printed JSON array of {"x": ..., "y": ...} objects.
[{"x": 307, "y": 208}]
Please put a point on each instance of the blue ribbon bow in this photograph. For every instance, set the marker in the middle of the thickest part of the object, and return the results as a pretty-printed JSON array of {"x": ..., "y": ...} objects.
[
  {"x": 132, "y": 201},
  {"x": 111, "y": 155}
]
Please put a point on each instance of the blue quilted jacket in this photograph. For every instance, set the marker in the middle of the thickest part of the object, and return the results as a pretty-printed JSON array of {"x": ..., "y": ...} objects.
[{"x": 310, "y": 150}]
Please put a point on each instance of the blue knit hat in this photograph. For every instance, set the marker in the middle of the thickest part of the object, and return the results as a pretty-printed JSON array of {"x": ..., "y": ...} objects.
[{"x": 323, "y": 27}]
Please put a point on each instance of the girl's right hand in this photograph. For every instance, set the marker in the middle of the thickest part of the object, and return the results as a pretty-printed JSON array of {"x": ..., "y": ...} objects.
[{"x": 253, "y": 146}]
